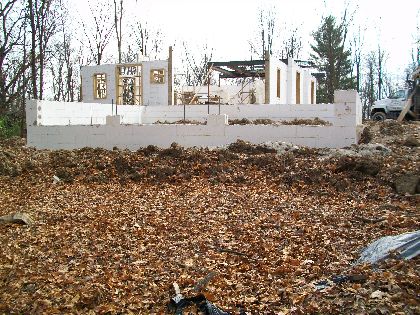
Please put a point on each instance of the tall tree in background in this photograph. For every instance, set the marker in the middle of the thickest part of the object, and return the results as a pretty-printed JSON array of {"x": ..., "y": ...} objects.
[
  {"x": 42, "y": 21},
  {"x": 145, "y": 41},
  {"x": 292, "y": 46},
  {"x": 376, "y": 82},
  {"x": 357, "y": 49},
  {"x": 64, "y": 67},
  {"x": 331, "y": 56},
  {"x": 415, "y": 51},
  {"x": 195, "y": 66},
  {"x": 98, "y": 33},
  {"x": 380, "y": 71},
  {"x": 368, "y": 93},
  {"x": 13, "y": 61},
  {"x": 266, "y": 33},
  {"x": 118, "y": 16}
]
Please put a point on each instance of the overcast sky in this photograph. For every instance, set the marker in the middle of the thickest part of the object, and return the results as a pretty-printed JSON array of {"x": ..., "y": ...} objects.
[{"x": 229, "y": 25}]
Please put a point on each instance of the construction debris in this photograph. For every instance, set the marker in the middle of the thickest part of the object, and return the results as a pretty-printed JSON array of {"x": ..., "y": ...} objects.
[
  {"x": 18, "y": 217},
  {"x": 405, "y": 246}
]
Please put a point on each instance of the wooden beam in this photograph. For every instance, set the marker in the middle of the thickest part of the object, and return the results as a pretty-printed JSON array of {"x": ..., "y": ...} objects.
[
  {"x": 226, "y": 73},
  {"x": 241, "y": 71},
  {"x": 406, "y": 107},
  {"x": 170, "y": 79},
  {"x": 267, "y": 77}
]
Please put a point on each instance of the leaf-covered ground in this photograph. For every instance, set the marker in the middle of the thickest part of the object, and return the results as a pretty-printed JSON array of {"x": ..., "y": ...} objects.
[{"x": 120, "y": 227}]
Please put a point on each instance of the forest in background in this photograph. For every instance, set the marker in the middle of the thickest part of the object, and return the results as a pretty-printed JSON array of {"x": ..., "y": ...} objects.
[{"x": 42, "y": 50}]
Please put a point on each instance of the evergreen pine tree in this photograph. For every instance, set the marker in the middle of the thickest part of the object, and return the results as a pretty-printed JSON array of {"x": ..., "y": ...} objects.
[{"x": 331, "y": 57}]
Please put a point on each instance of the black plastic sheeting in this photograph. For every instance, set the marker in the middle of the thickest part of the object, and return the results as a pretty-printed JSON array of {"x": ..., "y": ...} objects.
[
  {"x": 320, "y": 285},
  {"x": 405, "y": 246}
]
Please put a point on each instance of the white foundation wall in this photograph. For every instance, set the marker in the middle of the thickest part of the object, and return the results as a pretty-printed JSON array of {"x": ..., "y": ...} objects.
[
  {"x": 344, "y": 115},
  {"x": 50, "y": 113},
  {"x": 133, "y": 137}
]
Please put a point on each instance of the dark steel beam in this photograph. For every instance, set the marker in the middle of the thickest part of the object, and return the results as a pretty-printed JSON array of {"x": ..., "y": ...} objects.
[{"x": 238, "y": 63}]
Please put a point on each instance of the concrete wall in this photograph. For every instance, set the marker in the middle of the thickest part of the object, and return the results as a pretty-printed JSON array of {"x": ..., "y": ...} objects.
[
  {"x": 88, "y": 73},
  {"x": 344, "y": 115},
  {"x": 154, "y": 93},
  {"x": 61, "y": 113}
]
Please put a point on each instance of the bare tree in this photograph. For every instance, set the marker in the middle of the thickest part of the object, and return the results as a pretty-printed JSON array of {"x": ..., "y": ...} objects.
[
  {"x": 118, "y": 16},
  {"x": 196, "y": 66},
  {"x": 415, "y": 51},
  {"x": 64, "y": 70},
  {"x": 368, "y": 90},
  {"x": 13, "y": 61},
  {"x": 42, "y": 16},
  {"x": 292, "y": 46},
  {"x": 357, "y": 61},
  {"x": 380, "y": 70},
  {"x": 267, "y": 21},
  {"x": 144, "y": 40},
  {"x": 147, "y": 40},
  {"x": 98, "y": 33}
]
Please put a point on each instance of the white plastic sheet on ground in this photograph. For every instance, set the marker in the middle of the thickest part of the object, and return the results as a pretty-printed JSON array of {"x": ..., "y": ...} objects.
[{"x": 406, "y": 246}]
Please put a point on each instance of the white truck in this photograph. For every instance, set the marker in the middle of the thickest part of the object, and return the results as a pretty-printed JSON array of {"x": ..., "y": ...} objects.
[
  {"x": 391, "y": 107},
  {"x": 405, "y": 102}
]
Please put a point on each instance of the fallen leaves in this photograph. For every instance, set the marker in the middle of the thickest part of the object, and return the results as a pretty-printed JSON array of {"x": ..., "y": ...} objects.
[{"x": 121, "y": 227}]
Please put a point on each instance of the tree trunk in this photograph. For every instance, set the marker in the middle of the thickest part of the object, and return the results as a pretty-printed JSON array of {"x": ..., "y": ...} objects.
[{"x": 33, "y": 50}]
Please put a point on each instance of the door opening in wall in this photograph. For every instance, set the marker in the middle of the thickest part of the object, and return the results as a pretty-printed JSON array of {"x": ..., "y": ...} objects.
[
  {"x": 129, "y": 84},
  {"x": 312, "y": 92},
  {"x": 297, "y": 87}
]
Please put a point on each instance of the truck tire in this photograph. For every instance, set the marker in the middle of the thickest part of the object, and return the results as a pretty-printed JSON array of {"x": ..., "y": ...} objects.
[{"x": 379, "y": 116}]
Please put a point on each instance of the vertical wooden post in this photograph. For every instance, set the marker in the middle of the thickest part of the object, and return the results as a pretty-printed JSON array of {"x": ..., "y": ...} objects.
[
  {"x": 297, "y": 87},
  {"x": 170, "y": 78},
  {"x": 267, "y": 77},
  {"x": 208, "y": 90}
]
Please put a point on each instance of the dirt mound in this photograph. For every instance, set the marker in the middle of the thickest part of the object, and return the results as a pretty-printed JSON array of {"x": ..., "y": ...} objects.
[
  {"x": 364, "y": 166},
  {"x": 391, "y": 128},
  {"x": 241, "y": 146}
]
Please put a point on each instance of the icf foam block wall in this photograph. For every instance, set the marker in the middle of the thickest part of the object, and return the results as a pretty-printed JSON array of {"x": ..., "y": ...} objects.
[
  {"x": 61, "y": 113},
  {"x": 133, "y": 137},
  {"x": 345, "y": 117},
  {"x": 88, "y": 73}
]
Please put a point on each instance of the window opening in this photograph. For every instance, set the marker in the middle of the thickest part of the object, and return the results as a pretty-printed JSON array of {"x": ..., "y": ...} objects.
[
  {"x": 100, "y": 87},
  {"x": 129, "y": 85},
  {"x": 157, "y": 76}
]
